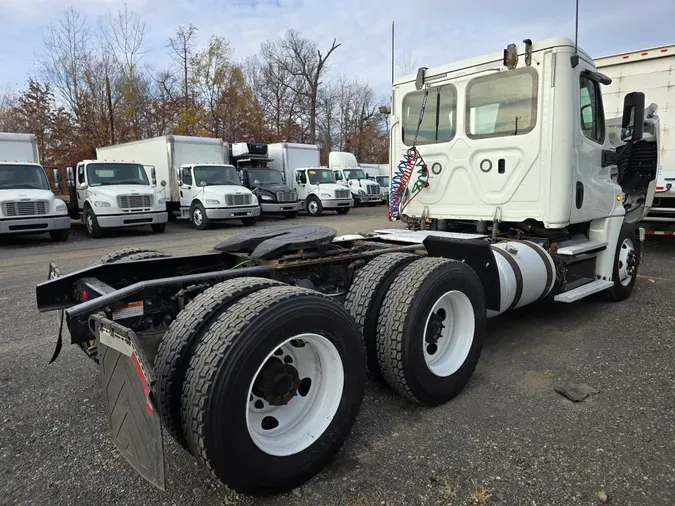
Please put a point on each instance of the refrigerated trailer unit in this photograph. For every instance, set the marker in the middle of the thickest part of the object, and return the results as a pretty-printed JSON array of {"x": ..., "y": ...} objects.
[
  {"x": 652, "y": 71},
  {"x": 253, "y": 356}
]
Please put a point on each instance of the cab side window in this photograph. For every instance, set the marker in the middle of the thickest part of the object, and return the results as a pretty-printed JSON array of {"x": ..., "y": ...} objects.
[
  {"x": 338, "y": 176},
  {"x": 301, "y": 177},
  {"x": 80, "y": 174},
  {"x": 592, "y": 114},
  {"x": 186, "y": 175}
]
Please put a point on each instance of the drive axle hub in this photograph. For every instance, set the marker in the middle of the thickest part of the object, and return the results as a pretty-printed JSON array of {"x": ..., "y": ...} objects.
[{"x": 277, "y": 382}]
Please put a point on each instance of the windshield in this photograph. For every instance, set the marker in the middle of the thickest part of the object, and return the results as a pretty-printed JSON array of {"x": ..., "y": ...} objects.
[
  {"x": 354, "y": 174},
  {"x": 16, "y": 177},
  {"x": 383, "y": 180},
  {"x": 100, "y": 174},
  {"x": 214, "y": 175},
  {"x": 317, "y": 176},
  {"x": 265, "y": 176}
]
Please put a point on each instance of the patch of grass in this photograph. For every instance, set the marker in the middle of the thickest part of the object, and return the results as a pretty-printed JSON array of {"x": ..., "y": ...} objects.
[
  {"x": 480, "y": 494},
  {"x": 449, "y": 491}
]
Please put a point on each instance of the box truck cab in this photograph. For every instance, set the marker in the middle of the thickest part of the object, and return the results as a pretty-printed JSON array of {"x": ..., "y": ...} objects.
[
  {"x": 108, "y": 194},
  {"x": 348, "y": 173},
  {"x": 267, "y": 184},
  {"x": 318, "y": 189},
  {"x": 27, "y": 204},
  {"x": 213, "y": 191}
]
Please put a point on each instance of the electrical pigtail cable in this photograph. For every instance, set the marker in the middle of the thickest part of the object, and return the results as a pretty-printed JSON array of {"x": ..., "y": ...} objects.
[{"x": 412, "y": 162}]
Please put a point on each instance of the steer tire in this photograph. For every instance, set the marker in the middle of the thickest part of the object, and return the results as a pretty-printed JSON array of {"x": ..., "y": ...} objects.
[
  {"x": 402, "y": 324},
  {"x": 122, "y": 255},
  {"x": 365, "y": 297},
  {"x": 218, "y": 400},
  {"x": 627, "y": 239},
  {"x": 175, "y": 348}
]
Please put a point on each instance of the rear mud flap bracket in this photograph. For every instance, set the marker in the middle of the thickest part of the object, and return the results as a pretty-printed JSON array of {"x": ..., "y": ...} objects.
[{"x": 133, "y": 418}]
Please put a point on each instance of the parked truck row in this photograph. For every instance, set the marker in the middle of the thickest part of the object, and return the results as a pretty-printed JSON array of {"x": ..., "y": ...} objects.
[{"x": 201, "y": 180}]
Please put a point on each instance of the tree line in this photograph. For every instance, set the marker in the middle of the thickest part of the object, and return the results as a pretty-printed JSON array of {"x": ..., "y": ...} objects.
[{"x": 96, "y": 87}]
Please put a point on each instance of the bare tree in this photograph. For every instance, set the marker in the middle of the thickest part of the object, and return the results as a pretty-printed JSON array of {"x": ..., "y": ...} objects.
[
  {"x": 212, "y": 75},
  {"x": 65, "y": 55},
  {"x": 301, "y": 57},
  {"x": 182, "y": 45},
  {"x": 8, "y": 104},
  {"x": 123, "y": 35},
  {"x": 407, "y": 64}
]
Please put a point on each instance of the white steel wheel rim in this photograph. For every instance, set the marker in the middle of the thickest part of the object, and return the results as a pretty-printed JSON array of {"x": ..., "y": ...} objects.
[
  {"x": 625, "y": 252},
  {"x": 450, "y": 345},
  {"x": 90, "y": 223},
  {"x": 313, "y": 207},
  {"x": 304, "y": 418},
  {"x": 197, "y": 217}
]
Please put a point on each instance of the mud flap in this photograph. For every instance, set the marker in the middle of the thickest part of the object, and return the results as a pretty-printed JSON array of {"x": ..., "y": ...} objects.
[{"x": 134, "y": 420}]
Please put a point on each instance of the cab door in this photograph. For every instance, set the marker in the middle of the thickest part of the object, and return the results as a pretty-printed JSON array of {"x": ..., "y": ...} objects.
[
  {"x": 80, "y": 179},
  {"x": 593, "y": 191},
  {"x": 186, "y": 186},
  {"x": 300, "y": 183}
]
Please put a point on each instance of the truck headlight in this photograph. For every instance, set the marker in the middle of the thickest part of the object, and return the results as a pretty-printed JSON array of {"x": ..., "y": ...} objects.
[
  {"x": 212, "y": 202},
  {"x": 101, "y": 203},
  {"x": 61, "y": 208},
  {"x": 361, "y": 192},
  {"x": 266, "y": 197},
  {"x": 255, "y": 200},
  {"x": 162, "y": 201},
  {"x": 326, "y": 195}
]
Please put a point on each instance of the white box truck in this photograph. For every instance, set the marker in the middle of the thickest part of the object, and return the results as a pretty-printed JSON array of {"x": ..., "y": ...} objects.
[
  {"x": 649, "y": 70},
  {"x": 379, "y": 172},
  {"x": 108, "y": 194},
  {"x": 27, "y": 204},
  {"x": 348, "y": 172},
  {"x": 316, "y": 185},
  {"x": 196, "y": 181}
]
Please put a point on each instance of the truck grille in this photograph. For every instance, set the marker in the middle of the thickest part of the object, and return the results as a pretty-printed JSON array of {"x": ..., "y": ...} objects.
[
  {"x": 287, "y": 196},
  {"x": 342, "y": 194},
  {"x": 134, "y": 201},
  {"x": 33, "y": 208},
  {"x": 238, "y": 200},
  {"x": 373, "y": 189}
]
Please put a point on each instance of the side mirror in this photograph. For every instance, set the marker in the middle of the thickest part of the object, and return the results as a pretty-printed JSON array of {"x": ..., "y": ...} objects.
[
  {"x": 57, "y": 179},
  {"x": 70, "y": 175},
  {"x": 419, "y": 79},
  {"x": 163, "y": 183},
  {"x": 153, "y": 176},
  {"x": 84, "y": 186},
  {"x": 202, "y": 184},
  {"x": 632, "y": 123}
]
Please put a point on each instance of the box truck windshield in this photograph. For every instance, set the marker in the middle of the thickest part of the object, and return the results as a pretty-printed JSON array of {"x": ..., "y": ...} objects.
[
  {"x": 105, "y": 174},
  {"x": 212, "y": 175},
  {"x": 265, "y": 176},
  {"x": 317, "y": 176},
  {"x": 18, "y": 177},
  {"x": 355, "y": 174}
]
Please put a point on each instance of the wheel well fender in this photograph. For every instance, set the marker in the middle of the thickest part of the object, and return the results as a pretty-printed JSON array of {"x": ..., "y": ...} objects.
[{"x": 477, "y": 254}]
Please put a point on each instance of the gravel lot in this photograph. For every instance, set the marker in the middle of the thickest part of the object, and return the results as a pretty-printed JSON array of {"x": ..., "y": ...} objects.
[{"x": 507, "y": 439}]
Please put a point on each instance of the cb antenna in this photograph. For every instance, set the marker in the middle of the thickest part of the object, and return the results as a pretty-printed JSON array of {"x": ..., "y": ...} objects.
[{"x": 575, "y": 57}]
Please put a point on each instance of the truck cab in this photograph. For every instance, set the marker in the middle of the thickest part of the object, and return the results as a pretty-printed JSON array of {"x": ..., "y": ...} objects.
[
  {"x": 213, "y": 192},
  {"x": 348, "y": 173},
  {"x": 27, "y": 204},
  {"x": 266, "y": 183},
  {"x": 317, "y": 188},
  {"x": 115, "y": 194}
]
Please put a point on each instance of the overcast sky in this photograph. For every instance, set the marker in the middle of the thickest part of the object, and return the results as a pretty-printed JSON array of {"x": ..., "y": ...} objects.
[{"x": 432, "y": 32}]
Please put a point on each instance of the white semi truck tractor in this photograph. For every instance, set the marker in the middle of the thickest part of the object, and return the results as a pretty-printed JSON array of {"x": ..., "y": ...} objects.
[{"x": 253, "y": 356}]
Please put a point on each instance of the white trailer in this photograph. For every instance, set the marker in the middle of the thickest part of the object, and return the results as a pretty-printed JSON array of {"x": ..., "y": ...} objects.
[
  {"x": 316, "y": 186},
  {"x": 651, "y": 71},
  {"x": 197, "y": 182},
  {"x": 27, "y": 204}
]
